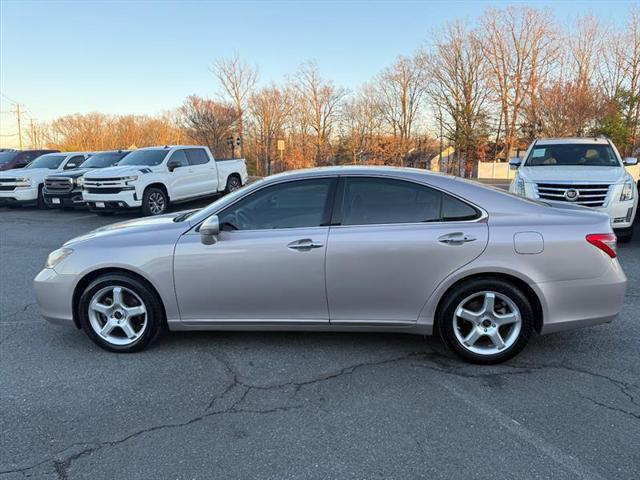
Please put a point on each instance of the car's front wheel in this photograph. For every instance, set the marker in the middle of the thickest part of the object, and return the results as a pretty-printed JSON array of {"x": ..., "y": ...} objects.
[
  {"x": 154, "y": 201},
  {"x": 120, "y": 313},
  {"x": 486, "y": 320},
  {"x": 624, "y": 235}
]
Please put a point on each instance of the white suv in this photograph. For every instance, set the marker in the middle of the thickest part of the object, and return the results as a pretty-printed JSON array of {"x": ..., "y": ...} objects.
[{"x": 582, "y": 171}]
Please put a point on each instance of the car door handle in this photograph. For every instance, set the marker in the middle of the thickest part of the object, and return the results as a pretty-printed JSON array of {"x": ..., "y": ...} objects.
[
  {"x": 456, "y": 238},
  {"x": 304, "y": 244}
]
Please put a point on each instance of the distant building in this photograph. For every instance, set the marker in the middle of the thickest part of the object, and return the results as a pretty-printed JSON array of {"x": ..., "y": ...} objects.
[{"x": 439, "y": 162}]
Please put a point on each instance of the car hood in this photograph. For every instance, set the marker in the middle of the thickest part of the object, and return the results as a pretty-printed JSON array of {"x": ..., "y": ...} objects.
[
  {"x": 576, "y": 174},
  {"x": 139, "y": 225},
  {"x": 75, "y": 173},
  {"x": 32, "y": 173},
  {"x": 120, "y": 171}
]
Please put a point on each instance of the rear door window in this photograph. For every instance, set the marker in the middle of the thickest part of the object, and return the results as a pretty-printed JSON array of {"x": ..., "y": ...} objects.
[{"x": 197, "y": 156}]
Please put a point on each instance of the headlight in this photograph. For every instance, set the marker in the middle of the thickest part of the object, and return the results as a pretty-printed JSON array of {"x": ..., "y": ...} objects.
[
  {"x": 57, "y": 256},
  {"x": 518, "y": 187},
  {"x": 79, "y": 181},
  {"x": 132, "y": 178},
  {"x": 627, "y": 191},
  {"x": 23, "y": 182}
]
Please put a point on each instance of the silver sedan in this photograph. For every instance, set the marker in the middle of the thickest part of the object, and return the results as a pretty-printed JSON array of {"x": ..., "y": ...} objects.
[{"x": 344, "y": 249}]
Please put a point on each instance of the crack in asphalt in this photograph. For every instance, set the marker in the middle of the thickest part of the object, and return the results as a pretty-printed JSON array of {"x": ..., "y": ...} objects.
[
  {"x": 440, "y": 364},
  {"x": 17, "y": 312}
]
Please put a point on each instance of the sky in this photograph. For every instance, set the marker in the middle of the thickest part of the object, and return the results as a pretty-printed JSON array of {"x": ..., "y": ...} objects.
[{"x": 145, "y": 57}]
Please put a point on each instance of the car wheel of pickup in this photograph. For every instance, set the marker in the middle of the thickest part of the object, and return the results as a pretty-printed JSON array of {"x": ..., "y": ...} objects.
[
  {"x": 486, "y": 320},
  {"x": 233, "y": 184},
  {"x": 41, "y": 204},
  {"x": 154, "y": 201},
  {"x": 120, "y": 313}
]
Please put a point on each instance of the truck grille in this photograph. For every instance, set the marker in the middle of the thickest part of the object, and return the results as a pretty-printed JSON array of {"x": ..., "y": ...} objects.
[
  {"x": 58, "y": 185},
  {"x": 594, "y": 195},
  {"x": 7, "y": 184}
]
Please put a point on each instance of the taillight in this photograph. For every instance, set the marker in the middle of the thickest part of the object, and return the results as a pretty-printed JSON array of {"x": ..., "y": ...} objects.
[{"x": 605, "y": 242}]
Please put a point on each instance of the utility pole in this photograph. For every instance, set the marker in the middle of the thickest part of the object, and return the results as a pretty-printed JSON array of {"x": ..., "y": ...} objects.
[
  {"x": 33, "y": 134},
  {"x": 19, "y": 128}
]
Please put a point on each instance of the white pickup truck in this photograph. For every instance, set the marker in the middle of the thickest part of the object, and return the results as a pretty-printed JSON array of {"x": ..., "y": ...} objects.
[
  {"x": 23, "y": 186},
  {"x": 583, "y": 171},
  {"x": 154, "y": 177}
]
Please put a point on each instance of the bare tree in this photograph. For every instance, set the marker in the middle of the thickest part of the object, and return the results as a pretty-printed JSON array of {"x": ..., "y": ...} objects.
[
  {"x": 320, "y": 102},
  {"x": 520, "y": 46},
  {"x": 237, "y": 79},
  {"x": 208, "y": 122},
  {"x": 458, "y": 88},
  {"x": 402, "y": 88},
  {"x": 270, "y": 109},
  {"x": 361, "y": 122}
]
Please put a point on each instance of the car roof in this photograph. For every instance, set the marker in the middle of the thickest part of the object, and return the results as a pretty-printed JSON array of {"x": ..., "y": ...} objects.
[{"x": 570, "y": 140}]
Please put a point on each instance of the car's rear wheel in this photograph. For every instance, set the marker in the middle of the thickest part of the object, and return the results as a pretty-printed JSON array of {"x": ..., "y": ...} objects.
[
  {"x": 486, "y": 320},
  {"x": 120, "y": 313},
  {"x": 154, "y": 201}
]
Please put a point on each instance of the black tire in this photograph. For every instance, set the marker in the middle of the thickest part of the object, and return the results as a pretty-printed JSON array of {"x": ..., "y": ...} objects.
[
  {"x": 155, "y": 316},
  {"x": 233, "y": 184},
  {"x": 453, "y": 299},
  {"x": 41, "y": 203},
  {"x": 624, "y": 235},
  {"x": 151, "y": 198}
]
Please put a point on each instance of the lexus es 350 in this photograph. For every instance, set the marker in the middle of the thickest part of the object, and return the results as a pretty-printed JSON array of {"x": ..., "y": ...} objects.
[{"x": 344, "y": 249}]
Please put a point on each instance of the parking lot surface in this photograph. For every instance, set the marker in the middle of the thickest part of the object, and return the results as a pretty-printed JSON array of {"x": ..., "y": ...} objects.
[{"x": 303, "y": 405}]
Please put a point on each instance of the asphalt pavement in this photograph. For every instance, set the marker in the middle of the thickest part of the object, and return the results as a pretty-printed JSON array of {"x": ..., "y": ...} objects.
[{"x": 303, "y": 405}]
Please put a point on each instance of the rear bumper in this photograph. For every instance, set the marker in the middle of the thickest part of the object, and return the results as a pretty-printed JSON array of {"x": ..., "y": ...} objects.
[
  {"x": 19, "y": 196},
  {"x": 54, "y": 296},
  {"x": 68, "y": 199},
  {"x": 582, "y": 303}
]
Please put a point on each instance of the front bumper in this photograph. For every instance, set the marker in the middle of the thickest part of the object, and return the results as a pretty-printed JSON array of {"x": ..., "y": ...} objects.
[
  {"x": 622, "y": 214},
  {"x": 54, "y": 293},
  {"x": 68, "y": 199},
  {"x": 581, "y": 303},
  {"x": 19, "y": 196},
  {"x": 116, "y": 201}
]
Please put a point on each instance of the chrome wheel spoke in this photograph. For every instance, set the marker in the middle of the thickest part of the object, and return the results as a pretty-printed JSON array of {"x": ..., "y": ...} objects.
[
  {"x": 472, "y": 337},
  {"x": 128, "y": 330},
  {"x": 108, "y": 328},
  {"x": 101, "y": 308},
  {"x": 496, "y": 339},
  {"x": 117, "y": 297},
  {"x": 135, "y": 311},
  {"x": 488, "y": 308},
  {"x": 468, "y": 315},
  {"x": 506, "y": 319}
]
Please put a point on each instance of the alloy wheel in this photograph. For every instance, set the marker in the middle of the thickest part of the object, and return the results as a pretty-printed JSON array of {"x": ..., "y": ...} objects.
[
  {"x": 157, "y": 203},
  {"x": 118, "y": 315},
  {"x": 487, "y": 323}
]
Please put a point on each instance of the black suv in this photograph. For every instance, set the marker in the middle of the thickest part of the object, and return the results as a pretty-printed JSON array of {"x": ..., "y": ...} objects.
[{"x": 64, "y": 189}]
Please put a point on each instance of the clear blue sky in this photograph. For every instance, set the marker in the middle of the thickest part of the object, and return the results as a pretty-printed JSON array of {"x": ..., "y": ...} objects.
[{"x": 60, "y": 57}]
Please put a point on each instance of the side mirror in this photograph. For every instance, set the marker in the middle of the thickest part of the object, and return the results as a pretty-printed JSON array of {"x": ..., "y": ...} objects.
[
  {"x": 514, "y": 163},
  {"x": 209, "y": 230},
  {"x": 173, "y": 164},
  {"x": 630, "y": 161},
  {"x": 70, "y": 165}
]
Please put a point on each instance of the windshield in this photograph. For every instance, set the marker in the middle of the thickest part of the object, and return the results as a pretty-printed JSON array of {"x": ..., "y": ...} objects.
[
  {"x": 572, "y": 154},
  {"x": 47, "y": 161},
  {"x": 6, "y": 157},
  {"x": 144, "y": 157},
  {"x": 101, "y": 160}
]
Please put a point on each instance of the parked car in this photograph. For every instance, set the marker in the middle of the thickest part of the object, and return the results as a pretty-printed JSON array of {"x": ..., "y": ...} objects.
[
  {"x": 155, "y": 177},
  {"x": 64, "y": 189},
  {"x": 10, "y": 159},
  {"x": 580, "y": 171},
  {"x": 342, "y": 248},
  {"x": 23, "y": 186}
]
